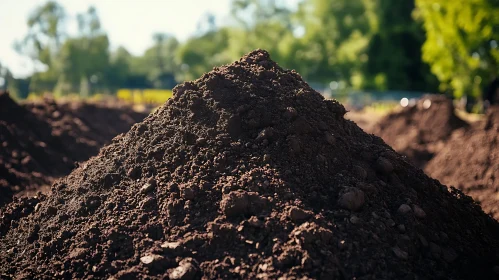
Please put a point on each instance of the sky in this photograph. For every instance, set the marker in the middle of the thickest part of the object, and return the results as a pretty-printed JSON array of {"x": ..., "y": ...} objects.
[{"x": 128, "y": 23}]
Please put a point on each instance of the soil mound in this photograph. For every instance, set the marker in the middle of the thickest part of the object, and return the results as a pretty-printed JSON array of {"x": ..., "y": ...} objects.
[
  {"x": 470, "y": 162},
  {"x": 85, "y": 127},
  {"x": 247, "y": 173},
  {"x": 30, "y": 156},
  {"x": 42, "y": 141},
  {"x": 418, "y": 131}
]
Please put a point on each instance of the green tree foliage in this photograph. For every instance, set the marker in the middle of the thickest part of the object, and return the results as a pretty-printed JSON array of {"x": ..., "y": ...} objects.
[
  {"x": 461, "y": 43},
  {"x": 265, "y": 24},
  {"x": 46, "y": 32},
  {"x": 360, "y": 44},
  {"x": 119, "y": 70},
  {"x": 394, "y": 51},
  {"x": 84, "y": 58},
  {"x": 201, "y": 53},
  {"x": 336, "y": 38}
]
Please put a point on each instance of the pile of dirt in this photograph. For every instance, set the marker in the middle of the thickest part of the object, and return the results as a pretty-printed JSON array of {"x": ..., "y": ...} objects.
[
  {"x": 86, "y": 127},
  {"x": 419, "y": 131},
  {"x": 42, "y": 141},
  {"x": 248, "y": 173},
  {"x": 470, "y": 162},
  {"x": 30, "y": 156}
]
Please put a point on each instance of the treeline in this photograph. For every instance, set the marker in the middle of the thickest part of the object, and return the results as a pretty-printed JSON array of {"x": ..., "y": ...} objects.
[{"x": 421, "y": 45}]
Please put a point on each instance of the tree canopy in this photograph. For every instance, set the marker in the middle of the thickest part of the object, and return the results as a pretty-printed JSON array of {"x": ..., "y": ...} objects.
[
  {"x": 461, "y": 43},
  {"x": 418, "y": 45}
]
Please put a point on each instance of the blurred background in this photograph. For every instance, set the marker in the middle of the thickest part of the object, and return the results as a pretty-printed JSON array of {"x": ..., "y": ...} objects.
[{"x": 363, "y": 52}]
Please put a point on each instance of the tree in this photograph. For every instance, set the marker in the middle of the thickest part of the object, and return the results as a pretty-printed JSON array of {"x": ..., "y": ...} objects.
[
  {"x": 264, "y": 24},
  {"x": 336, "y": 38},
  {"x": 42, "y": 43},
  {"x": 45, "y": 33},
  {"x": 201, "y": 53},
  {"x": 394, "y": 51},
  {"x": 461, "y": 43},
  {"x": 119, "y": 71},
  {"x": 84, "y": 58}
]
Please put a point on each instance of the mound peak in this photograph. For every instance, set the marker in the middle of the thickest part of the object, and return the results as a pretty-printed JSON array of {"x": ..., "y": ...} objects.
[{"x": 248, "y": 172}]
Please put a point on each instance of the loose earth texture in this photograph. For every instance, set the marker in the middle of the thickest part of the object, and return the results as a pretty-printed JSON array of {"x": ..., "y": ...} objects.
[
  {"x": 42, "y": 141},
  {"x": 30, "y": 156},
  {"x": 248, "y": 173},
  {"x": 89, "y": 125},
  {"x": 420, "y": 131},
  {"x": 470, "y": 162}
]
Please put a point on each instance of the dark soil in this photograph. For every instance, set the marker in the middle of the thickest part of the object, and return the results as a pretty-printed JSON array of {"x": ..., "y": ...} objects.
[
  {"x": 470, "y": 162},
  {"x": 419, "y": 131},
  {"x": 248, "y": 173},
  {"x": 86, "y": 127},
  {"x": 42, "y": 141},
  {"x": 30, "y": 155}
]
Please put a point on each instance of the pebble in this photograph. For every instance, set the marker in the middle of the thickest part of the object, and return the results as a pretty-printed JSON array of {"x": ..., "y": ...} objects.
[
  {"x": 171, "y": 245},
  {"x": 383, "y": 165},
  {"x": 390, "y": 223},
  {"x": 360, "y": 172},
  {"x": 155, "y": 262},
  {"x": 186, "y": 270},
  {"x": 235, "y": 203},
  {"x": 404, "y": 209},
  {"x": 298, "y": 215},
  {"x": 352, "y": 200},
  {"x": 146, "y": 188},
  {"x": 330, "y": 139},
  {"x": 148, "y": 259},
  {"x": 354, "y": 220},
  {"x": 401, "y": 228},
  {"x": 400, "y": 253},
  {"x": 418, "y": 212}
]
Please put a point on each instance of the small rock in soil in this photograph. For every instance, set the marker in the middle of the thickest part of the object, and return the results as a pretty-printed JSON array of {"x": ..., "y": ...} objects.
[
  {"x": 384, "y": 165},
  {"x": 235, "y": 203},
  {"x": 147, "y": 187},
  {"x": 298, "y": 215},
  {"x": 186, "y": 270},
  {"x": 353, "y": 199},
  {"x": 418, "y": 212},
  {"x": 404, "y": 209},
  {"x": 400, "y": 253}
]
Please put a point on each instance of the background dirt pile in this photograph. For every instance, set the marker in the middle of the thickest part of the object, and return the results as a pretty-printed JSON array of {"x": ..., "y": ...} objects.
[
  {"x": 85, "y": 127},
  {"x": 470, "y": 162},
  {"x": 42, "y": 141},
  {"x": 248, "y": 173},
  {"x": 419, "y": 131},
  {"x": 30, "y": 156}
]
